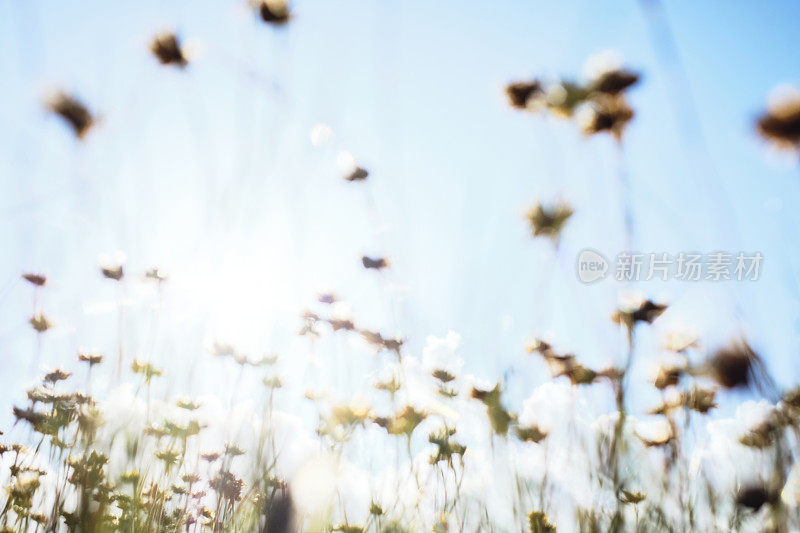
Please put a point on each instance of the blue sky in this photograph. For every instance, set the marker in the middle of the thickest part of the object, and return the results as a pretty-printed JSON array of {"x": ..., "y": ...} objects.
[{"x": 209, "y": 171}]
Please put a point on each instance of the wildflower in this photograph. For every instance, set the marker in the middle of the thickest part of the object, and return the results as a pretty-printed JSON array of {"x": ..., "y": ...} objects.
[
  {"x": 523, "y": 94},
  {"x": 402, "y": 423},
  {"x": 342, "y": 323},
  {"x": 358, "y": 174},
  {"x": 765, "y": 433},
  {"x": 40, "y": 323},
  {"x": 146, "y": 369},
  {"x": 614, "y": 81},
  {"x": 445, "y": 446},
  {"x": 632, "y": 497},
  {"x": 113, "y": 271},
  {"x": 391, "y": 385},
  {"x": 56, "y": 376},
  {"x": 210, "y": 457},
  {"x": 439, "y": 356},
  {"x": 629, "y": 315},
  {"x": 609, "y": 113},
  {"x": 273, "y": 382},
  {"x": 668, "y": 376},
  {"x": 755, "y": 496},
  {"x": 327, "y": 298},
  {"x": 170, "y": 457},
  {"x": 130, "y": 476},
  {"x": 90, "y": 357},
  {"x": 530, "y": 433},
  {"x": 700, "y": 400},
  {"x": 72, "y": 111},
  {"x": 376, "y": 339},
  {"x": 499, "y": 417},
  {"x": 273, "y": 11},
  {"x": 548, "y": 221},
  {"x": 375, "y": 509},
  {"x": 188, "y": 404},
  {"x": 232, "y": 450},
  {"x": 736, "y": 365},
  {"x": 780, "y": 124},
  {"x": 538, "y": 523},
  {"x": 155, "y": 274},
  {"x": 38, "y": 280},
  {"x": 228, "y": 486},
  {"x": 167, "y": 48},
  {"x": 377, "y": 263}
]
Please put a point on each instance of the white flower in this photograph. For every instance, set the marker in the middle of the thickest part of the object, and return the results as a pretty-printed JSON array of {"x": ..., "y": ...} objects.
[{"x": 440, "y": 353}]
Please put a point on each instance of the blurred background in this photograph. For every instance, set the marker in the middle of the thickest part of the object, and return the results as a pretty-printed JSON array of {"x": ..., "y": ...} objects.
[{"x": 210, "y": 173}]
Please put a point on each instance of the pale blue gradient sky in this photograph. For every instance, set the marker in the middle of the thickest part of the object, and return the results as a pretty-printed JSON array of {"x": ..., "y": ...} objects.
[{"x": 209, "y": 171}]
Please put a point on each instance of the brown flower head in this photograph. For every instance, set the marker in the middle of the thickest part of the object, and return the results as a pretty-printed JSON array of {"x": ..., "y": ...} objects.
[
  {"x": 605, "y": 114},
  {"x": 524, "y": 94},
  {"x": 72, "y": 111},
  {"x": 754, "y": 496},
  {"x": 737, "y": 366},
  {"x": 780, "y": 124},
  {"x": 167, "y": 49},
  {"x": 35, "y": 279},
  {"x": 614, "y": 81},
  {"x": 40, "y": 323},
  {"x": 644, "y": 311},
  {"x": 357, "y": 174},
  {"x": 273, "y": 11},
  {"x": 375, "y": 263},
  {"x": 548, "y": 221}
]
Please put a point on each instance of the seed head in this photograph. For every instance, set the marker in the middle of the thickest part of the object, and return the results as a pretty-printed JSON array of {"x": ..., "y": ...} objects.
[
  {"x": 72, "y": 111},
  {"x": 167, "y": 49}
]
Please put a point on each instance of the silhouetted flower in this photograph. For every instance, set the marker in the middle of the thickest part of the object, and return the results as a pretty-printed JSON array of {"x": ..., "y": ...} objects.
[
  {"x": 737, "y": 365},
  {"x": 530, "y": 433},
  {"x": 167, "y": 48},
  {"x": 538, "y": 523},
  {"x": 358, "y": 174},
  {"x": 40, "y": 323},
  {"x": 548, "y": 221},
  {"x": 376, "y": 263},
  {"x": 521, "y": 95},
  {"x": 36, "y": 279},
  {"x": 273, "y": 11},
  {"x": 755, "y": 496},
  {"x": 644, "y": 311},
  {"x": 73, "y": 111},
  {"x": 780, "y": 124},
  {"x": 614, "y": 81}
]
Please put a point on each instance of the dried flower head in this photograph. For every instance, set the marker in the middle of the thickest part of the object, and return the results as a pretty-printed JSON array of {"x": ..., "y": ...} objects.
[
  {"x": 72, "y": 111},
  {"x": 524, "y": 94},
  {"x": 155, "y": 274},
  {"x": 548, "y": 221},
  {"x": 273, "y": 11},
  {"x": 375, "y": 263},
  {"x": 167, "y": 49},
  {"x": 38, "y": 280},
  {"x": 605, "y": 114},
  {"x": 668, "y": 376},
  {"x": 737, "y": 365},
  {"x": 403, "y": 422},
  {"x": 499, "y": 417},
  {"x": 92, "y": 358},
  {"x": 327, "y": 298},
  {"x": 530, "y": 433},
  {"x": 754, "y": 496},
  {"x": 780, "y": 124},
  {"x": 644, "y": 311},
  {"x": 56, "y": 375},
  {"x": 538, "y": 523},
  {"x": 113, "y": 271},
  {"x": 631, "y": 497},
  {"x": 614, "y": 81},
  {"x": 40, "y": 323},
  {"x": 357, "y": 174}
]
